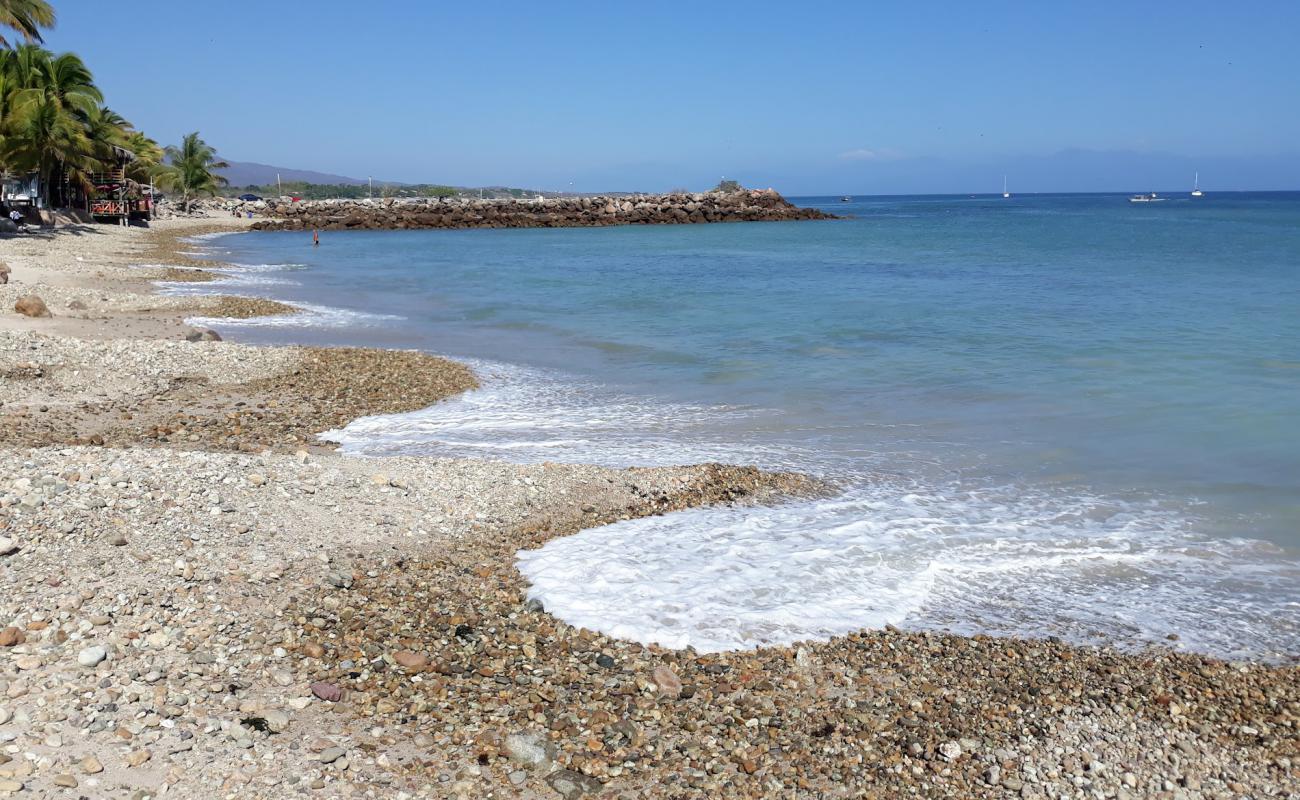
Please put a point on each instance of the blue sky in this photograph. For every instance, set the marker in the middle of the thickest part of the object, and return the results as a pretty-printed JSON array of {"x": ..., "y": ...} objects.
[{"x": 854, "y": 97}]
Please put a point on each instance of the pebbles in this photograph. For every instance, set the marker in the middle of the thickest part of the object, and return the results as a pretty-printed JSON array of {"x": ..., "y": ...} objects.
[
  {"x": 432, "y": 642},
  {"x": 227, "y": 307},
  {"x": 221, "y": 396}
]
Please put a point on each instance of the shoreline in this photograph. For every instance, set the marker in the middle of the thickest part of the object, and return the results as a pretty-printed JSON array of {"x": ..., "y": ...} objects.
[{"x": 393, "y": 582}]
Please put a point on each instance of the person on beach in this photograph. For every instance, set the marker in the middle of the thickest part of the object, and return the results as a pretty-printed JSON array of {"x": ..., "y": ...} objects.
[
  {"x": 315, "y": 237},
  {"x": 16, "y": 217}
]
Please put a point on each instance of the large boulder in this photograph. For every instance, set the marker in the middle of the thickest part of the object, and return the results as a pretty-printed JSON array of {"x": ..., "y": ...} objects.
[{"x": 30, "y": 305}]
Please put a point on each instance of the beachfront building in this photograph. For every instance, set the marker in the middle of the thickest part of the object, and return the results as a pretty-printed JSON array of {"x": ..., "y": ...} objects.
[
  {"x": 21, "y": 190},
  {"x": 109, "y": 196},
  {"x": 116, "y": 198}
]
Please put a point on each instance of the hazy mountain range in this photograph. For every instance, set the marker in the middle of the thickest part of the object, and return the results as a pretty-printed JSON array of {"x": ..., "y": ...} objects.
[{"x": 249, "y": 173}]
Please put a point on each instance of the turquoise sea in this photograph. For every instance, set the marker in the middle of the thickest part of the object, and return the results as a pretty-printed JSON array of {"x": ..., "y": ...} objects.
[{"x": 1049, "y": 415}]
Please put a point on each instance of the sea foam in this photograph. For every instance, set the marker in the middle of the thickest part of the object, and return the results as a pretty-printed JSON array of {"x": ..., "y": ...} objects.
[
  {"x": 995, "y": 561},
  {"x": 918, "y": 553},
  {"x": 250, "y": 280}
]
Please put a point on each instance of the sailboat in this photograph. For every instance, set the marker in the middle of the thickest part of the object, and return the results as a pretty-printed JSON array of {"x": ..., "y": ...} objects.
[
  {"x": 1196, "y": 186},
  {"x": 1005, "y": 193}
]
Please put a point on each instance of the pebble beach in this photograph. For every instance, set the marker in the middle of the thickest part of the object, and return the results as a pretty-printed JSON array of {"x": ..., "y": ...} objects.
[{"x": 199, "y": 598}]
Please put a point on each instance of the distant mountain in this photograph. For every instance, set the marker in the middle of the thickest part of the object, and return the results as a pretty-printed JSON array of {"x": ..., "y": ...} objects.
[{"x": 248, "y": 173}]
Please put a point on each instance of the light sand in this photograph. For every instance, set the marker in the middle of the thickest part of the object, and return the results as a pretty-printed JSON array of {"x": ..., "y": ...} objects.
[{"x": 97, "y": 267}]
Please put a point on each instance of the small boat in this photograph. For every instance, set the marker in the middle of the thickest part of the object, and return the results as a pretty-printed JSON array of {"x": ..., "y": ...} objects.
[
  {"x": 1005, "y": 193},
  {"x": 1196, "y": 186},
  {"x": 1146, "y": 198},
  {"x": 846, "y": 199}
]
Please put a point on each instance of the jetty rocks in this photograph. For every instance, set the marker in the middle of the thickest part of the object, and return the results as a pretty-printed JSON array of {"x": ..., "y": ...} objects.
[{"x": 563, "y": 212}]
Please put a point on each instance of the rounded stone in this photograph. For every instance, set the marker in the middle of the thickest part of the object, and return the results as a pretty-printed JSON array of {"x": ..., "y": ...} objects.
[{"x": 91, "y": 656}]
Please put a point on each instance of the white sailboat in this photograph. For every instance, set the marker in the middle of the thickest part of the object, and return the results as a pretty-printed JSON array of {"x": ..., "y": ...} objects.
[
  {"x": 1196, "y": 186},
  {"x": 1005, "y": 193}
]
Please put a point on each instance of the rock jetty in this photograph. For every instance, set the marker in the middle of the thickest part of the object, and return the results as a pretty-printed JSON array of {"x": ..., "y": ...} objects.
[{"x": 564, "y": 212}]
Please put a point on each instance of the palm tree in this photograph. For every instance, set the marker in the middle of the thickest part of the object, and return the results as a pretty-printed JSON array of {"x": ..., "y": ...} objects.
[
  {"x": 27, "y": 17},
  {"x": 148, "y": 157},
  {"x": 52, "y": 98},
  {"x": 53, "y": 121},
  {"x": 192, "y": 169},
  {"x": 63, "y": 77},
  {"x": 41, "y": 136}
]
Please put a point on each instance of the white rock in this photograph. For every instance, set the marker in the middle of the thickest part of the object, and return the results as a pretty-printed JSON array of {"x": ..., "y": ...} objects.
[
  {"x": 276, "y": 720},
  {"x": 91, "y": 656},
  {"x": 530, "y": 749}
]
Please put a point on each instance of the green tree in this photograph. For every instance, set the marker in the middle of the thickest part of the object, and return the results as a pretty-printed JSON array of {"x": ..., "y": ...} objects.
[
  {"x": 148, "y": 157},
  {"x": 40, "y": 136},
  {"x": 53, "y": 120},
  {"x": 192, "y": 170},
  {"x": 50, "y": 103},
  {"x": 26, "y": 17}
]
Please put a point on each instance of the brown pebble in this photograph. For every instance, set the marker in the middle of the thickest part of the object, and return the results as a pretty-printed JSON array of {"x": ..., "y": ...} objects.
[
  {"x": 410, "y": 660},
  {"x": 138, "y": 757},
  {"x": 327, "y": 691},
  {"x": 667, "y": 681}
]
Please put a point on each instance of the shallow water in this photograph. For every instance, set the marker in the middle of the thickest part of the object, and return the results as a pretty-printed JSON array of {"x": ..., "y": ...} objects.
[{"x": 1050, "y": 415}]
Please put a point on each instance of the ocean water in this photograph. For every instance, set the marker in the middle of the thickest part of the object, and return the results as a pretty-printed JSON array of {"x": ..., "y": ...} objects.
[{"x": 1050, "y": 415}]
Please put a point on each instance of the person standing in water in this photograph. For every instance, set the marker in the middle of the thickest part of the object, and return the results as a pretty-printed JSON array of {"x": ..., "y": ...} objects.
[{"x": 315, "y": 237}]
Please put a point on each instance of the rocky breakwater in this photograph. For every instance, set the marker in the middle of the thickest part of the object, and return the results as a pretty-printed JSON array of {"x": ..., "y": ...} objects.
[{"x": 564, "y": 212}]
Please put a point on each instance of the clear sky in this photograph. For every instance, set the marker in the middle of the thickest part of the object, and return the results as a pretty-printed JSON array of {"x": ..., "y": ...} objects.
[{"x": 817, "y": 97}]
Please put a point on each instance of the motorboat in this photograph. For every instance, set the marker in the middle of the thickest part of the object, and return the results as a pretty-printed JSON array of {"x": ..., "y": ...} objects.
[{"x": 1146, "y": 198}]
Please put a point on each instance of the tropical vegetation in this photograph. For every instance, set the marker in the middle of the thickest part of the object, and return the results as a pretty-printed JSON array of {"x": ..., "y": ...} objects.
[
  {"x": 54, "y": 123},
  {"x": 191, "y": 170},
  {"x": 26, "y": 18}
]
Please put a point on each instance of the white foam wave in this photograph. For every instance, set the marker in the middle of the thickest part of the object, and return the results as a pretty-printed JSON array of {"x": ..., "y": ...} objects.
[
  {"x": 234, "y": 284},
  {"x": 235, "y": 279},
  {"x": 1001, "y": 562},
  {"x": 205, "y": 238},
  {"x": 238, "y": 268},
  {"x": 309, "y": 316},
  {"x": 925, "y": 555},
  {"x": 538, "y": 417},
  {"x": 243, "y": 280}
]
